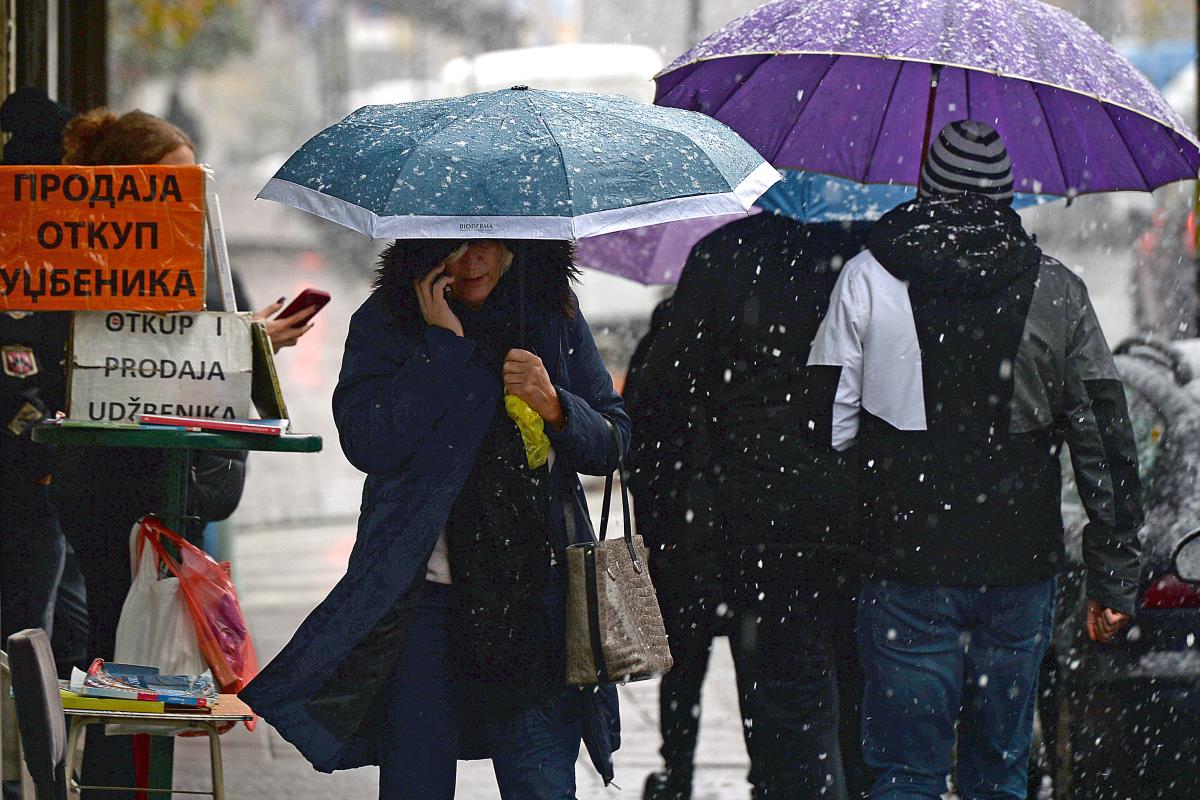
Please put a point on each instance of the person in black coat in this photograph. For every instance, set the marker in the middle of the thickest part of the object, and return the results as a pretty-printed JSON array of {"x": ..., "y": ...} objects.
[
  {"x": 733, "y": 352},
  {"x": 32, "y": 388},
  {"x": 671, "y": 479}
]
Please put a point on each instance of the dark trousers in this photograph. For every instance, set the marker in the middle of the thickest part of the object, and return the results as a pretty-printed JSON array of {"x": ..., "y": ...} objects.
[
  {"x": 840, "y": 618},
  {"x": 70, "y": 641},
  {"x": 786, "y": 655},
  {"x": 691, "y": 623},
  {"x": 533, "y": 751},
  {"x": 32, "y": 549},
  {"x": 941, "y": 661},
  {"x": 97, "y": 520}
]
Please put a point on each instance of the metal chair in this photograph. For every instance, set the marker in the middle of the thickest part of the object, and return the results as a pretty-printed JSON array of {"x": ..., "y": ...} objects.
[{"x": 53, "y": 755}]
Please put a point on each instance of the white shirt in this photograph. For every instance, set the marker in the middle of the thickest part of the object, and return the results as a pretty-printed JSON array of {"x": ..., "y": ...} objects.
[{"x": 870, "y": 333}]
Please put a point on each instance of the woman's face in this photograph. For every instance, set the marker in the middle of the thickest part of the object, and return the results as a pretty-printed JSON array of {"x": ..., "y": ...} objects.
[
  {"x": 179, "y": 157},
  {"x": 477, "y": 271}
]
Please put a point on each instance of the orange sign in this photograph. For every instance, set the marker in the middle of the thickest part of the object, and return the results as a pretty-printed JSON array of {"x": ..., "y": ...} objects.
[{"x": 101, "y": 238}]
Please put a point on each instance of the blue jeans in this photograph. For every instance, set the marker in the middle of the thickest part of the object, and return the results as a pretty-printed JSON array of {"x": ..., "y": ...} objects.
[
  {"x": 533, "y": 752},
  {"x": 934, "y": 656}
]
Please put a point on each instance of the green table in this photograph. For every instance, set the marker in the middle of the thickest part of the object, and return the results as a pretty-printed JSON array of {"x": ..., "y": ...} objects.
[{"x": 177, "y": 446}]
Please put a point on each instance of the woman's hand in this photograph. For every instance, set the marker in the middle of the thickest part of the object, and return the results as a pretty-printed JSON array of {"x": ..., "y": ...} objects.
[
  {"x": 525, "y": 376},
  {"x": 285, "y": 331},
  {"x": 431, "y": 294}
]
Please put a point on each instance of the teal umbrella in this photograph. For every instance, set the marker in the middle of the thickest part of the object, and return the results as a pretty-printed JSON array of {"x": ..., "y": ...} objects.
[{"x": 520, "y": 163}]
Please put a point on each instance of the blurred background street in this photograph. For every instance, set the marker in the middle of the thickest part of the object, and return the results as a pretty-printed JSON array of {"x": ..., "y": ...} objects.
[{"x": 251, "y": 81}]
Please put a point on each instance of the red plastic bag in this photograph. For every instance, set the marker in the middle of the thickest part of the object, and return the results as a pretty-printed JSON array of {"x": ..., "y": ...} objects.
[{"x": 212, "y": 600}]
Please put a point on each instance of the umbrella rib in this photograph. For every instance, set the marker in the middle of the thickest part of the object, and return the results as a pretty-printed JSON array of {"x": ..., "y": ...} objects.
[
  {"x": 562, "y": 157},
  {"x": 879, "y": 132},
  {"x": 1186, "y": 134},
  {"x": 804, "y": 106},
  {"x": 1062, "y": 170},
  {"x": 465, "y": 117},
  {"x": 967, "y": 91},
  {"x": 745, "y": 81},
  {"x": 1128, "y": 149}
]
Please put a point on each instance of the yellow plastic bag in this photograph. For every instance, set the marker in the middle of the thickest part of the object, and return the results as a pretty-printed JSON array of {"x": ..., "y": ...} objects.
[{"x": 532, "y": 428}]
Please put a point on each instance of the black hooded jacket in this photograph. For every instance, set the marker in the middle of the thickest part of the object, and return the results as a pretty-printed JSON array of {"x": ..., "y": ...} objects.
[
  {"x": 1013, "y": 365},
  {"x": 734, "y": 350}
]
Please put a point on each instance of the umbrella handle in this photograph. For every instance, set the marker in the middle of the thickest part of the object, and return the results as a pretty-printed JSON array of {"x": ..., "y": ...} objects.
[
  {"x": 521, "y": 292},
  {"x": 935, "y": 76}
]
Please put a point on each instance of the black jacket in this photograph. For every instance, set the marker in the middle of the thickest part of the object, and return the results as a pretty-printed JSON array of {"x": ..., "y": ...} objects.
[
  {"x": 735, "y": 348},
  {"x": 671, "y": 478},
  {"x": 1013, "y": 364},
  {"x": 32, "y": 387}
]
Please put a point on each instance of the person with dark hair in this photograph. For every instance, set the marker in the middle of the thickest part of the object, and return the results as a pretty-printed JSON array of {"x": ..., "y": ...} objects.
[
  {"x": 446, "y": 638},
  {"x": 100, "y": 492},
  {"x": 672, "y": 480},
  {"x": 733, "y": 353},
  {"x": 966, "y": 359}
]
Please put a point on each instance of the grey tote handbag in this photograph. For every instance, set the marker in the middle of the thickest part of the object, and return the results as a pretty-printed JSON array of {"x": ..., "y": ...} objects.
[{"x": 615, "y": 629}]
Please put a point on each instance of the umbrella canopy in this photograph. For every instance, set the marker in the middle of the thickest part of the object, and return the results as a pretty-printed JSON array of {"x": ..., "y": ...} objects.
[
  {"x": 657, "y": 254},
  {"x": 520, "y": 164},
  {"x": 653, "y": 255},
  {"x": 844, "y": 87}
]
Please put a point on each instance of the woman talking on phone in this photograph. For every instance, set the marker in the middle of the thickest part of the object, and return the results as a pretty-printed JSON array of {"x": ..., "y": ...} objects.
[{"x": 445, "y": 639}]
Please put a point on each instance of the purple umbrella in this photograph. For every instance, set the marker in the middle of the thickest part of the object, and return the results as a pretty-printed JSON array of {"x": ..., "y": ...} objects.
[
  {"x": 856, "y": 87},
  {"x": 651, "y": 255}
]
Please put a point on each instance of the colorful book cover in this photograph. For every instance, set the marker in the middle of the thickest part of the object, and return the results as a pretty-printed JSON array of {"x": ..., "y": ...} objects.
[
  {"x": 266, "y": 427},
  {"x": 78, "y": 702},
  {"x": 147, "y": 685}
]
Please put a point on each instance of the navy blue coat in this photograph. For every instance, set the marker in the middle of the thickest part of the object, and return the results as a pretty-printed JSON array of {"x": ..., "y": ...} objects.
[{"x": 411, "y": 409}]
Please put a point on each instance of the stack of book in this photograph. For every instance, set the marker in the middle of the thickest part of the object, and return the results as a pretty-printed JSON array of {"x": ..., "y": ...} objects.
[
  {"x": 268, "y": 427},
  {"x": 130, "y": 687}
]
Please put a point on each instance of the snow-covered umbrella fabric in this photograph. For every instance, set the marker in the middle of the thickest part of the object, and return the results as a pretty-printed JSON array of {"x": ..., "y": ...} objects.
[
  {"x": 844, "y": 87},
  {"x": 520, "y": 164}
]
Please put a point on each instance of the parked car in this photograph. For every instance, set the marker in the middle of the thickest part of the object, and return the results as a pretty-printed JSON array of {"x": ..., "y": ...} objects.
[{"x": 1123, "y": 721}]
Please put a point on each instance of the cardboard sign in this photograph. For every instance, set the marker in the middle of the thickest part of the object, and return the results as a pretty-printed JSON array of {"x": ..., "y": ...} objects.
[
  {"x": 80, "y": 238},
  {"x": 128, "y": 363}
]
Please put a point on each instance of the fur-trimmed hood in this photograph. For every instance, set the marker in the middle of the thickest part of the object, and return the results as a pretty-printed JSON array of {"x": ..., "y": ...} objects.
[{"x": 549, "y": 266}]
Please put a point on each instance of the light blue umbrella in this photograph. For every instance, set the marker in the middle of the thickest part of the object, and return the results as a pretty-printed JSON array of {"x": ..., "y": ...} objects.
[
  {"x": 520, "y": 164},
  {"x": 657, "y": 254},
  {"x": 813, "y": 197}
]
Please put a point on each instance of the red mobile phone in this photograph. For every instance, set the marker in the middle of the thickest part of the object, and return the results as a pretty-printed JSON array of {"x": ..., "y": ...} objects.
[{"x": 309, "y": 297}]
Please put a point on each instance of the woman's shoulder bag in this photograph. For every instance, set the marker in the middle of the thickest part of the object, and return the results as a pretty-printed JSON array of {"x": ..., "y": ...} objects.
[{"x": 615, "y": 629}]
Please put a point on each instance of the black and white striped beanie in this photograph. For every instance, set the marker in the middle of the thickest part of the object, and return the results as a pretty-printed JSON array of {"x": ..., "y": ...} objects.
[{"x": 968, "y": 156}]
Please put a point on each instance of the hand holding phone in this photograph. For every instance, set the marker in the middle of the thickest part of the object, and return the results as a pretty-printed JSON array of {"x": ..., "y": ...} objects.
[
  {"x": 286, "y": 327},
  {"x": 309, "y": 298}
]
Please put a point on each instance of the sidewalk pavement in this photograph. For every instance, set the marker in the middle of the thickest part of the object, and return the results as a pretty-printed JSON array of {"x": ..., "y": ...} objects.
[{"x": 283, "y": 572}]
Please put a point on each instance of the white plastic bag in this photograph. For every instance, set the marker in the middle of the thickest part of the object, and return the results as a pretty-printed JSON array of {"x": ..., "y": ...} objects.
[{"x": 155, "y": 629}]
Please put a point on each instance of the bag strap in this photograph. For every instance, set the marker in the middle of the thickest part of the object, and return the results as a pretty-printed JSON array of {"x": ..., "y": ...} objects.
[
  {"x": 605, "y": 508},
  {"x": 154, "y": 530}
]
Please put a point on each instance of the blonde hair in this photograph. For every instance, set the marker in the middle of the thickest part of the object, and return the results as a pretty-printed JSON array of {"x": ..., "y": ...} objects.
[
  {"x": 100, "y": 137},
  {"x": 505, "y": 261}
]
